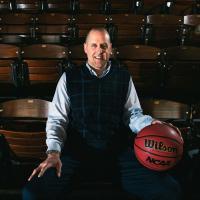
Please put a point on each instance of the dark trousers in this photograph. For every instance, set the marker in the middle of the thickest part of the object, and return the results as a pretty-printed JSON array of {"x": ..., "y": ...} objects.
[{"x": 134, "y": 179}]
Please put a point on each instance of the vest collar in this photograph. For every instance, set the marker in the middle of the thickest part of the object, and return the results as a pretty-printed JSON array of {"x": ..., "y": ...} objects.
[{"x": 92, "y": 72}]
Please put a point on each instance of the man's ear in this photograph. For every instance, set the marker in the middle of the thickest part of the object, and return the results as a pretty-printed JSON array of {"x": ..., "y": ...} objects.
[
  {"x": 111, "y": 49},
  {"x": 85, "y": 47},
  {"x": 111, "y": 46}
]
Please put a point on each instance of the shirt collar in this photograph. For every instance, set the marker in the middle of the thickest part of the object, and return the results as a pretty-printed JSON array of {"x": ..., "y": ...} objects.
[{"x": 106, "y": 70}]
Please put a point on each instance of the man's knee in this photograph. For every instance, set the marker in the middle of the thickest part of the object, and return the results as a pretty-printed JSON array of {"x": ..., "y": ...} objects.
[
  {"x": 161, "y": 190},
  {"x": 28, "y": 193},
  {"x": 171, "y": 191}
]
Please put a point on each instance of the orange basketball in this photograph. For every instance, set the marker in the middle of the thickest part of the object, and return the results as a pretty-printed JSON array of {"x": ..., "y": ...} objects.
[{"x": 159, "y": 146}]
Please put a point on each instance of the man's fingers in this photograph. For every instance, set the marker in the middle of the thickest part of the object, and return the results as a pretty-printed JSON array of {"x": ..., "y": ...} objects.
[
  {"x": 53, "y": 161},
  {"x": 59, "y": 173},
  {"x": 33, "y": 174},
  {"x": 43, "y": 169},
  {"x": 59, "y": 170},
  {"x": 155, "y": 121}
]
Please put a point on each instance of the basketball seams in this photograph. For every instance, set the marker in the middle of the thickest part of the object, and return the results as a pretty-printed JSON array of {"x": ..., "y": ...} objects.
[
  {"x": 158, "y": 136},
  {"x": 150, "y": 167},
  {"x": 156, "y": 154}
]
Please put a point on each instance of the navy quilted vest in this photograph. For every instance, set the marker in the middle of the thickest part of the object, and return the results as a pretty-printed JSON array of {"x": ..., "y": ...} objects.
[{"x": 97, "y": 103}]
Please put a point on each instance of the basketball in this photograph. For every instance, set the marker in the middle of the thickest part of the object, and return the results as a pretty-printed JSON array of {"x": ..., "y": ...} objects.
[{"x": 159, "y": 147}]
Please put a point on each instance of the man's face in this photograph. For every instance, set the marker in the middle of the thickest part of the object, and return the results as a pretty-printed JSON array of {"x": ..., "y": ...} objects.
[{"x": 98, "y": 49}]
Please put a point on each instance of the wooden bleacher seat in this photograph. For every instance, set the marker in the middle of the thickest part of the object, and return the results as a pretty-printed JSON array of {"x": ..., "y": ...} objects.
[
  {"x": 54, "y": 28},
  {"x": 171, "y": 111},
  {"x": 127, "y": 29},
  {"x": 16, "y": 28},
  {"x": 22, "y": 122},
  {"x": 25, "y": 145},
  {"x": 92, "y": 7},
  {"x": 63, "y": 6},
  {"x": 149, "y": 7},
  {"x": 196, "y": 7},
  {"x": 44, "y": 64},
  {"x": 30, "y": 6},
  {"x": 53, "y": 18},
  {"x": 118, "y": 6},
  {"x": 26, "y": 109},
  {"x": 182, "y": 72},
  {"x": 178, "y": 7},
  {"x": 85, "y": 22},
  {"x": 192, "y": 20},
  {"x": 183, "y": 7},
  {"x": 196, "y": 111},
  {"x": 5, "y": 6},
  {"x": 9, "y": 51},
  {"x": 15, "y": 34},
  {"x": 9, "y": 70},
  {"x": 143, "y": 63},
  {"x": 16, "y": 18},
  {"x": 25, "y": 115},
  {"x": 55, "y": 34},
  {"x": 191, "y": 32},
  {"x": 164, "y": 109},
  {"x": 77, "y": 55},
  {"x": 22, "y": 125},
  {"x": 163, "y": 30}
]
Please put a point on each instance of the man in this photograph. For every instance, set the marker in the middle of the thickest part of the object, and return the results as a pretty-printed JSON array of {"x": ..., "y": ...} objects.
[{"x": 92, "y": 110}]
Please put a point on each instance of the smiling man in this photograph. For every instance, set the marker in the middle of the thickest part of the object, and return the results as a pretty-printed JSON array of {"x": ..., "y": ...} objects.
[
  {"x": 98, "y": 49},
  {"x": 94, "y": 112}
]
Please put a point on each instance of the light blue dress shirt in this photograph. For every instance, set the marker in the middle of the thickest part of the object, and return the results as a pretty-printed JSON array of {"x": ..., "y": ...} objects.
[{"x": 57, "y": 122}]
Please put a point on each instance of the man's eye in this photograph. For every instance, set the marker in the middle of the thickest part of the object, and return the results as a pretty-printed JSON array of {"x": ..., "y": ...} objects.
[{"x": 104, "y": 46}]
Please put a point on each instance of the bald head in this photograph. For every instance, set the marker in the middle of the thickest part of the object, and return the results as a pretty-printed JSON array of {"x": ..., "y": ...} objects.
[{"x": 101, "y": 30}]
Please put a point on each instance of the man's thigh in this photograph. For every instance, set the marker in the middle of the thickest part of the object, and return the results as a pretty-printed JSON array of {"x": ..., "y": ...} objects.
[
  {"x": 50, "y": 186},
  {"x": 144, "y": 183}
]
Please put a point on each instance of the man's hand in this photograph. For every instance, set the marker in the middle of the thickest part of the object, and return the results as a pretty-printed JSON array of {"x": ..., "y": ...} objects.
[
  {"x": 155, "y": 121},
  {"x": 53, "y": 160}
]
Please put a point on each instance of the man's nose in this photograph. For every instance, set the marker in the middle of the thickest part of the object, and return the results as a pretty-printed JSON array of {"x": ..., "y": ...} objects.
[{"x": 100, "y": 50}]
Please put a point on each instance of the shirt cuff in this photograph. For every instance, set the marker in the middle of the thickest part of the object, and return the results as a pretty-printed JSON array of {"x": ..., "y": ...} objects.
[
  {"x": 142, "y": 122},
  {"x": 52, "y": 145}
]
